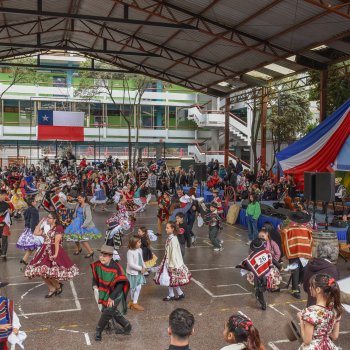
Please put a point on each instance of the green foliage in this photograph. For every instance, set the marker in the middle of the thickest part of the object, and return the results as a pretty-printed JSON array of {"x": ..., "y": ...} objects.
[
  {"x": 338, "y": 90},
  {"x": 290, "y": 113}
]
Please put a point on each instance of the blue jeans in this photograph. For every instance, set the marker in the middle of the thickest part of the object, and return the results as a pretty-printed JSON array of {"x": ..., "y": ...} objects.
[{"x": 252, "y": 227}]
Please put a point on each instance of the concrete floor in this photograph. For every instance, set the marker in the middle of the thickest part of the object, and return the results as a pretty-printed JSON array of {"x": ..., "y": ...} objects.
[{"x": 217, "y": 291}]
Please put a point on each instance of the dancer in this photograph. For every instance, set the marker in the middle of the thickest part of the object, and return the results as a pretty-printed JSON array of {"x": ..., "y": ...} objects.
[
  {"x": 134, "y": 271},
  {"x": 82, "y": 229},
  {"x": 51, "y": 262},
  {"x": 173, "y": 263},
  {"x": 148, "y": 256},
  {"x": 111, "y": 288},
  {"x": 320, "y": 323},
  {"x": 213, "y": 220},
  {"x": 241, "y": 334},
  {"x": 99, "y": 192},
  {"x": 6, "y": 209},
  {"x": 27, "y": 241},
  {"x": 17, "y": 200},
  {"x": 163, "y": 211}
]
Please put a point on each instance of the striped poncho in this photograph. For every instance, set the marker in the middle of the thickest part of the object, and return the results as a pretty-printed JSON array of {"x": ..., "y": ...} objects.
[
  {"x": 107, "y": 277},
  {"x": 6, "y": 316}
]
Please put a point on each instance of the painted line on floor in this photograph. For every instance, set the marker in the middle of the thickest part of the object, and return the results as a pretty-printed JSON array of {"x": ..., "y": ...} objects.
[
  {"x": 87, "y": 338},
  {"x": 294, "y": 307},
  {"x": 230, "y": 285},
  {"x": 213, "y": 295},
  {"x": 22, "y": 297},
  {"x": 20, "y": 283},
  {"x": 214, "y": 268},
  {"x": 273, "y": 346},
  {"x": 47, "y": 312},
  {"x": 274, "y": 309},
  {"x": 68, "y": 330},
  {"x": 75, "y": 295},
  {"x": 241, "y": 313}
]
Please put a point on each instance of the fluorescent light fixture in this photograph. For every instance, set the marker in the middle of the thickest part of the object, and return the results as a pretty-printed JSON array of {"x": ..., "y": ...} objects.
[
  {"x": 291, "y": 58},
  {"x": 259, "y": 75},
  {"x": 224, "y": 83},
  {"x": 279, "y": 69},
  {"x": 319, "y": 47}
]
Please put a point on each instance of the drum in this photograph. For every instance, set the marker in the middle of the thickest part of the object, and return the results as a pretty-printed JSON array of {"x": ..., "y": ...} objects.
[{"x": 329, "y": 237}]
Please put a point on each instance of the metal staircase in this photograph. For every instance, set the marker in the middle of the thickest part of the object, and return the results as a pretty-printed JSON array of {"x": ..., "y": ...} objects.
[{"x": 216, "y": 119}]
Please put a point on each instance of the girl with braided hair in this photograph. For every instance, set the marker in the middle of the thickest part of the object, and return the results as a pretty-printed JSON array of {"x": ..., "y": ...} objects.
[
  {"x": 319, "y": 324},
  {"x": 241, "y": 334}
]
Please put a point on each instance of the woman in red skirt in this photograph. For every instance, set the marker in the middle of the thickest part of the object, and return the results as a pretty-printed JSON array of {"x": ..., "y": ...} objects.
[{"x": 51, "y": 262}]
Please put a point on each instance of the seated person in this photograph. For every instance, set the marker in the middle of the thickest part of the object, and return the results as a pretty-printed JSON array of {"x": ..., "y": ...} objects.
[{"x": 180, "y": 329}]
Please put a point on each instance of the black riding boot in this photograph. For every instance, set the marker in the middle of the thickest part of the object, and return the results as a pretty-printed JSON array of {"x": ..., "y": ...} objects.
[
  {"x": 102, "y": 323},
  {"x": 125, "y": 324}
]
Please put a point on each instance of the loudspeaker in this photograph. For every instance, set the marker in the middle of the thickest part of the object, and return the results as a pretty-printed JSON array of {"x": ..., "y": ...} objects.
[
  {"x": 186, "y": 163},
  {"x": 200, "y": 170},
  {"x": 282, "y": 213},
  {"x": 319, "y": 186},
  {"x": 266, "y": 209}
]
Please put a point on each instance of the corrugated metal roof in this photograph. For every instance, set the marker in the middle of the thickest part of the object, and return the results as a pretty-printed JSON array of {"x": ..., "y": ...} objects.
[{"x": 232, "y": 37}]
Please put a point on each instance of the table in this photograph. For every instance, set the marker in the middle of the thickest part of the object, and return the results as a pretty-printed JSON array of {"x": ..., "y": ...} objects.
[{"x": 242, "y": 220}]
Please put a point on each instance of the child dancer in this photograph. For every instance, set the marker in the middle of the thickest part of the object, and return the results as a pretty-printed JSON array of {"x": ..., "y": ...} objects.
[
  {"x": 27, "y": 241},
  {"x": 148, "y": 257},
  {"x": 173, "y": 262},
  {"x": 213, "y": 220},
  {"x": 163, "y": 211},
  {"x": 182, "y": 229},
  {"x": 319, "y": 324},
  {"x": 134, "y": 271},
  {"x": 241, "y": 334}
]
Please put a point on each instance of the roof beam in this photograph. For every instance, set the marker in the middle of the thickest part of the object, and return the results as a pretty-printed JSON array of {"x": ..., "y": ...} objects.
[
  {"x": 40, "y": 46},
  {"x": 53, "y": 67},
  {"x": 337, "y": 9},
  {"x": 93, "y": 18}
]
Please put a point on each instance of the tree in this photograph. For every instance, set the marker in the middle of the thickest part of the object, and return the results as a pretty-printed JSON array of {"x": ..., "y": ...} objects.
[
  {"x": 255, "y": 129},
  {"x": 20, "y": 75},
  {"x": 290, "y": 114},
  {"x": 338, "y": 89},
  {"x": 94, "y": 83}
]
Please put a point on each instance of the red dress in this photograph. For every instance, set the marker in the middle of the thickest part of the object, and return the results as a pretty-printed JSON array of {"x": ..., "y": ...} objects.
[{"x": 44, "y": 265}]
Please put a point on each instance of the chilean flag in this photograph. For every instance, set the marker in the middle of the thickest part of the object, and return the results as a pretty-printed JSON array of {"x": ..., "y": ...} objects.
[
  {"x": 60, "y": 125},
  {"x": 324, "y": 149}
]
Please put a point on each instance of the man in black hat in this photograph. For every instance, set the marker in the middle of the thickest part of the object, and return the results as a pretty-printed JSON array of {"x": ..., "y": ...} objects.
[{"x": 112, "y": 287}]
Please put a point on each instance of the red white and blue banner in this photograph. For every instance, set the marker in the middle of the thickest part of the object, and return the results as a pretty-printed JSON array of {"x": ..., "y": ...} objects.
[
  {"x": 324, "y": 149},
  {"x": 60, "y": 125}
]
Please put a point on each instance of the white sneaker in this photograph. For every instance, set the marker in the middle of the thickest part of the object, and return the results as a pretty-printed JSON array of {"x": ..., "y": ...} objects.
[
  {"x": 221, "y": 242},
  {"x": 216, "y": 249},
  {"x": 248, "y": 243}
]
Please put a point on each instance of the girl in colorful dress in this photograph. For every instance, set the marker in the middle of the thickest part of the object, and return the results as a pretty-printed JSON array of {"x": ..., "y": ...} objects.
[
  {"x": 319, "y": 324},
  {"x": 82, "y": 229},
  {"x": 149, "y": 258},
  {"x": 173, "y": 262},
  {"x": 163, "y": 211},
  {"x": 99, "y": 192},
  {"x": 51, "y": 262},
  {"x": 128, "y": 194},
  {"x": 241, "y": 334},
  {"x": 135, "y": 269},
  {"x": 27, "y": 241},
  {"x": 17, "y": 200},
  {"x": 42, "y": 187}
]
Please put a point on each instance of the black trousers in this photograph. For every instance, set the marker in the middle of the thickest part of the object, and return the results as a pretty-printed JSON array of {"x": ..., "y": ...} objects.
[
  {"x": 4, "y": 242},
  {"x": 297, "y": 274}
]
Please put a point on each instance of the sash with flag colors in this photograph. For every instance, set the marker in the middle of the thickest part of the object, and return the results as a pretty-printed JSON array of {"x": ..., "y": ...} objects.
[{"x": 60, "y": 125}]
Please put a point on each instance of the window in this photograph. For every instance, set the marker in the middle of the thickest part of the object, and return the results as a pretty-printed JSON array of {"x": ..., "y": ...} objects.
[
  {"x": 11, "y": 112},
  {"x": 172, "y": 117}
]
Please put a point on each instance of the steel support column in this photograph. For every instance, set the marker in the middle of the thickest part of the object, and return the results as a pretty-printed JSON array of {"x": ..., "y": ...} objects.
[
  {"x": 323, "y": 94},
  {"x": 227, "y": 130},
  {"x": 263, "y": 127}
]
